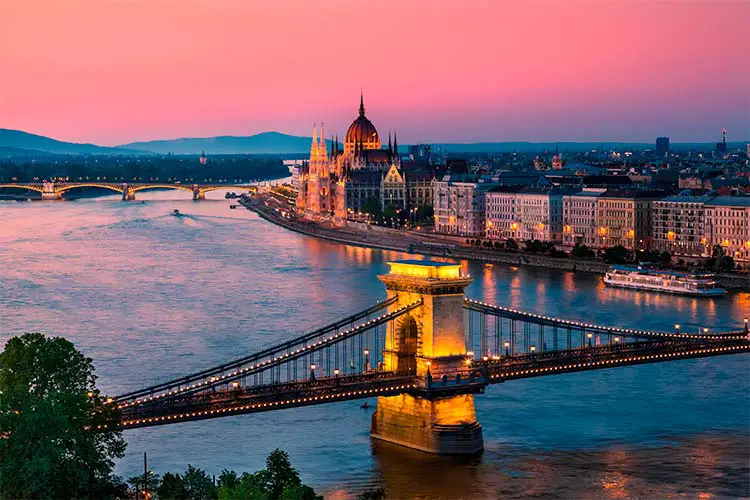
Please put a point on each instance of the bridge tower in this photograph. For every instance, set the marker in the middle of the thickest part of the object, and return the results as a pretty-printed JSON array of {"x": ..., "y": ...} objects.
[
  {"x": 128, "y": 193},
  {"x": 427, "y": 342},
  {"x": 198, "y": 193}
]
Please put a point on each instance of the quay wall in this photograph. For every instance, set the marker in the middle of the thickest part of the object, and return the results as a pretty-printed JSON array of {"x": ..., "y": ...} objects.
[{"x": 357, "y": 234}]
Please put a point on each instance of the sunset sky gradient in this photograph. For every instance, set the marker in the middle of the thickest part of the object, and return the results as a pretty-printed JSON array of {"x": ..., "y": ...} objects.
[{"x": 115, "y": 71}]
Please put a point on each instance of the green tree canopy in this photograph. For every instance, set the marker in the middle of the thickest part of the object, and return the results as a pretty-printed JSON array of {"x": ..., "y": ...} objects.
[{"x": 59, "y": 437}]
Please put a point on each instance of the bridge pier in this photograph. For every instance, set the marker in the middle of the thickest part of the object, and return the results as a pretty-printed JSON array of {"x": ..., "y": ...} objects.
[
  {"x": 128, "y": 194},
  {"x": 52, "y": 196},
  {"x": 430, "y": 341},
  {"x": 198, "y": 193}
]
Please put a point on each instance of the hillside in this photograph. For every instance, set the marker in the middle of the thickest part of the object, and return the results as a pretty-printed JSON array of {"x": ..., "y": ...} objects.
[
  {"x": 263, "y": 143},
  {"x": 18, "y": 139}
]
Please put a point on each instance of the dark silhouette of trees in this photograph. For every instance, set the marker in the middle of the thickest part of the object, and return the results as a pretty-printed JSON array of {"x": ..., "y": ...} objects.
[{"x": 59, "y": 437}]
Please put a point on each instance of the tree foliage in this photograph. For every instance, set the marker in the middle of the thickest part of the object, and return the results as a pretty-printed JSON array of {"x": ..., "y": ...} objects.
[
  {"x": 59, "y": 437},
  {"x": 582, "y": 252}
]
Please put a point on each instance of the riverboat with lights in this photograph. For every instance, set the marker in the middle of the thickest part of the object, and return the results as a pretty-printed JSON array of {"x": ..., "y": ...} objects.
[{"x": 640, "y": 278}]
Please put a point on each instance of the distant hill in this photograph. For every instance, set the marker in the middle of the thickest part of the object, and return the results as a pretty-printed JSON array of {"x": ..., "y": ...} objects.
[
  {"x": 23, "y": 140},
  {"x": 263, "y": 143}
]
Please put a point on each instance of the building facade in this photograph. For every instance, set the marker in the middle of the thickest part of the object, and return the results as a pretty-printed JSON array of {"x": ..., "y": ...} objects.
[
  {"x": 459, "y": 205},
  {"x": 678, "y": 225},
  {"x": 579, "y": 217},
  {"x": 727, "y": 223},
  {"x": 624, "y": 218}
]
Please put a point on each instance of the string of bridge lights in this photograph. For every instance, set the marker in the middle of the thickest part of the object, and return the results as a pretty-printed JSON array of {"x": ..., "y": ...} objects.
[
  {"x": 268, "y": 405},
  {"x": 215, "y": 380},
  {"x": 612, "y": 329}
]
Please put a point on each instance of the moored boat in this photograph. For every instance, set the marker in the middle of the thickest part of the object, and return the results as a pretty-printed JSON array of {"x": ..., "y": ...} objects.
[{"x": 697, "y": 284}]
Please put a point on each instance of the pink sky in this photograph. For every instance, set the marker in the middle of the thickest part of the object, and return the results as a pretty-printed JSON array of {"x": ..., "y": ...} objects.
[{"x": 115, "y": 71}]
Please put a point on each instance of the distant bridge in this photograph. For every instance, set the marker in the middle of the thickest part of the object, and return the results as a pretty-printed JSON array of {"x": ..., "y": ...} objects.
[
  {"x": 424, "y": 351},
  {"x": 56, "y": 190}
]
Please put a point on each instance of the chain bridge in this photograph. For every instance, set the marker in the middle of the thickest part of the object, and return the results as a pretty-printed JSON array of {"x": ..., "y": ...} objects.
[
  {"x": 56, "y": 190},
  {"x": 425, "y": 352}
]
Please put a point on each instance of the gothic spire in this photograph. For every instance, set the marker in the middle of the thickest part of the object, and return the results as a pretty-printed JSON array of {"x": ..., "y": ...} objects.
[
  {"x": 322, "y": 141},
  {"x": 395, "y": 144},
  {"x": 361, "y": 103},
  {"x": 390, "y": 146},
  {"x": 314, "y": 147}
]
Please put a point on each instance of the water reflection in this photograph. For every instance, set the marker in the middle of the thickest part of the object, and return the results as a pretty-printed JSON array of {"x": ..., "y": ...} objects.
[{"x": 150, "y": 296}]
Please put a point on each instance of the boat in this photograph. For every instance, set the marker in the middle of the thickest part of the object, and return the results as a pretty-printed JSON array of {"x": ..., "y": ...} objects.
[
  {"x": 177, "y": 213},
  {"x": 697, "y": 284},
  {"x": 232, "y": 206}
]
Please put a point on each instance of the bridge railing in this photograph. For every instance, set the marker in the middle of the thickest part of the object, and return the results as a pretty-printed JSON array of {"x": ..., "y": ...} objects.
[
  {"x": 494, "y": 330},
  {"x": 354, "y": 350},
  {"x": 219, "y": 370}
]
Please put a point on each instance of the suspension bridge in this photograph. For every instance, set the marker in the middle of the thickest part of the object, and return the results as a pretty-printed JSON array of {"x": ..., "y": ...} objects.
[
  {"x": 57, "y": 190},
  {"x": 425, "y": 352}
]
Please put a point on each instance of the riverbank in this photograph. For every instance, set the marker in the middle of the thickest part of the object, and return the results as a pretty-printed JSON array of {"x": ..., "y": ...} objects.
[{"x": 420, "y": 243}]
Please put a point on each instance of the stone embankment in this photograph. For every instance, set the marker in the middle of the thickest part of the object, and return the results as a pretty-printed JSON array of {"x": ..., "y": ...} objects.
[{"x": 431, "y": 245}]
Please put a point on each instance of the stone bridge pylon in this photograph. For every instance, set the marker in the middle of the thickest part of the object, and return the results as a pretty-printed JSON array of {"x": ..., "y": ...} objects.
[{"x": 428, "y": 342}]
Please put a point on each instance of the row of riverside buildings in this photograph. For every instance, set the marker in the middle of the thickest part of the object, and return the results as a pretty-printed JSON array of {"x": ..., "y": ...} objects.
[
  {"x": 687, "y": 224},
  {"x": 338, "y": 182}
]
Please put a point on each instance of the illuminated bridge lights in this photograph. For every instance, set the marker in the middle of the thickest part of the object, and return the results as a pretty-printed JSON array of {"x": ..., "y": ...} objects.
[
  {"x": 630, "y": 359},
  {"x": 253, "y": 406},
  {"x": 213, "y": 380},
  {"x": 611, "y": 329}
]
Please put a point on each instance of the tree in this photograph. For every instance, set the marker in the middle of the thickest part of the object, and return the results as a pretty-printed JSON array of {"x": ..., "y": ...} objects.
[
  {"x": 376, "y": 494},
  {"x": 616, "y": 254},
  {"x": 279, "y": 473},
  {"x": 372, "y": 206},
  {"x": 60, "y": 435},
  {"x": 151, "y": 482},
  {"x": 582, "y": 252},
  {"x": 172, "y": 487},
  {"x": 228, "y": 479},
  {"x": 511, "y": 244},
  {"x": 198, "y": 484},
  {"x": 665, "y": 258}
]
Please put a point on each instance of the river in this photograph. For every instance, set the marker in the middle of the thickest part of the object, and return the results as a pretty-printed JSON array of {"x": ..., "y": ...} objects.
[{"x": 150, "y": 296}]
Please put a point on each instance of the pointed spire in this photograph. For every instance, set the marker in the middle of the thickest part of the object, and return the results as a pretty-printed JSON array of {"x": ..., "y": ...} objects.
[
  {"x": 390, "y": 146},
  {"x": 314, "y": 147},
  {"x": 322, "y": 141},
  {"x": 395, "y": 144},
  {"x": 361, "y": 103}
]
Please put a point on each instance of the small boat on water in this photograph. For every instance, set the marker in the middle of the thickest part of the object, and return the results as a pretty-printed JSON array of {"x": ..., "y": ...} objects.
[
  {"x": 177, "y": 213},
  {"x": 232, "y": 206},
  {"x": 696, "y": 284}
]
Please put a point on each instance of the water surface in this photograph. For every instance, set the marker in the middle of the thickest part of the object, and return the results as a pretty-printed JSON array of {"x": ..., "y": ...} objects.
[{"x": 150, "y": 296}]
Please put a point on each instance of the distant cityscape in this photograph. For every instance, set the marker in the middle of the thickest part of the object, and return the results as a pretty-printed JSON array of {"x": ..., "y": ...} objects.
[{"x": 685, "y": 203}]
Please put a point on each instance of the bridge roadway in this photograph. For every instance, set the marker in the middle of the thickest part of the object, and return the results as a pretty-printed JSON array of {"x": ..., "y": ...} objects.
[{"x": 477, "y": 374}]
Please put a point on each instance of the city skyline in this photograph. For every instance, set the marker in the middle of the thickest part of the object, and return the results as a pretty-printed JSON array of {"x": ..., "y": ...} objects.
[{"x": 623, "y": 71}]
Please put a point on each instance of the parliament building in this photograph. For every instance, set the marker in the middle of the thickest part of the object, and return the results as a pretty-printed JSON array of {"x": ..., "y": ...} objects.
[{"x": 335, "y": 184}]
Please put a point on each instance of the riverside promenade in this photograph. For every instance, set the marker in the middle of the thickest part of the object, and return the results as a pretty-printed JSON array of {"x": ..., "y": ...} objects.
[{"x": 275, "y": 211}]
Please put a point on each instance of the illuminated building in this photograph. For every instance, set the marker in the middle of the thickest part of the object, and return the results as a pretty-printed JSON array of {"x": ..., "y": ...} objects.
[
  {"x": 337, "y": 183},
  {"x": 727, "y": 223},
  {"x": 458, "y": 202},
  {"x": 677, "y": 224},
  {"x": 579, "y": 217},
  {"x": 624, "y": 218}
]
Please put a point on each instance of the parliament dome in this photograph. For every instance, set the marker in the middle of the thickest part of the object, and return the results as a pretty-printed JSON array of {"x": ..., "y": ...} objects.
[{"x": 362, "y": 131}]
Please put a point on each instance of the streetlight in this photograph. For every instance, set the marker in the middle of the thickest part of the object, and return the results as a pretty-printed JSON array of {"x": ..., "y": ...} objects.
[
  {"x": 589, "y": 335},
  {"x": 677, "y": 328},
  {"x": 367, "y": 359},
  {"x": 507, "y": 348},
  {"x": 746, "y": 320},
  {"x": 312, "y": 371}
]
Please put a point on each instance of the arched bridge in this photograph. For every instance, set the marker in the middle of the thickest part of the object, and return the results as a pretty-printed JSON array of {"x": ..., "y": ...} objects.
[
  {"x": 56, "y": 190},
  {"x": 425, "y": 351}
]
